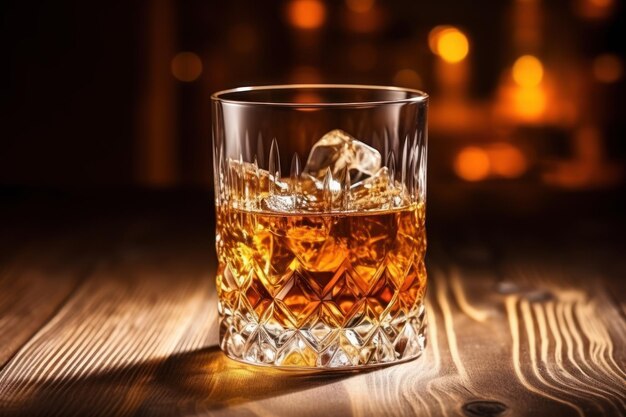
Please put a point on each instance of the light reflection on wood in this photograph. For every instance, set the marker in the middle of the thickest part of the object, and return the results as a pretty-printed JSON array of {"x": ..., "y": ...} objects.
[
  {"x": 459, "y": 296},
  {"x": 511, "y": 307}
]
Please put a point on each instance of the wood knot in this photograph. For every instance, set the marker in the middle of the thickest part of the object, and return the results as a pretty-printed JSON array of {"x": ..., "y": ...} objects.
[{"x": 484, "y": 408}]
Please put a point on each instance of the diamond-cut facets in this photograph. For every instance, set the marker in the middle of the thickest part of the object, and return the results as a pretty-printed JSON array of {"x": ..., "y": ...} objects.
[
  {"x": 316, "y": 331},
  {"x": 383, "y": 350},
  {"x": 411, "y": 340},
  {"x": 260, "y": 348},
  {"x": 296, "y": 353},
  {"x": 340, "y": 359},
  {"x": 382, "y": 295},
  {"x": 234, "y": 344},
  {"x": 257, "y": 295},
  {"x": 318, "y": 345},
  {"x": 299, "y": 298},
  {"x": 365, "y": 326},
  {"x": 341, "y": 321},
  {"x": 341, "y": 298},
  {"x": 412, "y": 289},
  {"x": 273, "y": 320}
]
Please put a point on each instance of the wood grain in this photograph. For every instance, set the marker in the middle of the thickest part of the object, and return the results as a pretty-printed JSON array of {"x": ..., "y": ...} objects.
[
  {"x": 33, "y": 286},
  {"x": 129, "y": 328}
]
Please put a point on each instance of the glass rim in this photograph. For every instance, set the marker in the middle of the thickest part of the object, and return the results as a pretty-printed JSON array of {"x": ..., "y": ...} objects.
[{"x": 415, "y": 96}]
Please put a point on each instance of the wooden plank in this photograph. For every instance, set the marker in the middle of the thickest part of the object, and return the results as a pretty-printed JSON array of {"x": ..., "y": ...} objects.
[
  {"x": 33, "y": 286},
  {"x": 131, "y": 313}
]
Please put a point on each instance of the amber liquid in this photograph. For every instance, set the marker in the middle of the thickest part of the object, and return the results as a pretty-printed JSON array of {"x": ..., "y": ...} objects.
[{"x": 319, "y": 272}]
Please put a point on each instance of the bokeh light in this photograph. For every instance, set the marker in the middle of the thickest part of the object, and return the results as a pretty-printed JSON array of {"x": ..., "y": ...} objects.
[
  {"x": 500, "y": 159},
  {"x": 186, "y": 66},
  {"x": 453, "y": 46},
  {"x": 360, "y": 6},
  {"x": 433, "y": 37},
  {"x": 601, "y": 3},
  {"x": 306, "y": 14},
  {"x": 472, "y": 164},
  {"x": 527, "y": 71},
  {"x": 594, "y": 9},
  {"x": 449, "y": 43},
  {"x": 407, "y": 78},
  {"x": 506, "y": 160},
  {"x": 608, "y": 68},
  {"x": 529, "y": 102},
  {"x": 364, "y": 17}
]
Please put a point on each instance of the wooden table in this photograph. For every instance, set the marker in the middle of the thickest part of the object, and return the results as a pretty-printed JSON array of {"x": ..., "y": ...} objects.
[{"x": 108, "y": 308}]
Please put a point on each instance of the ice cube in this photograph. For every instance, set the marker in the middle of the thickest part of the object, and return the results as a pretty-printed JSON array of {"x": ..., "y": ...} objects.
[
  {"x": 375, "y": 192},
  {"x": 341, "y": 152},
  {"x": 279, "y": 196},
  {"x": 279, "y": 203}
]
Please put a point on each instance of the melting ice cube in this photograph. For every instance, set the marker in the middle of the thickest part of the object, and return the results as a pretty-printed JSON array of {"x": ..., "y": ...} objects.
[
  {"x": 375, "y": 192},
  {"x": 339, "y": 151}
]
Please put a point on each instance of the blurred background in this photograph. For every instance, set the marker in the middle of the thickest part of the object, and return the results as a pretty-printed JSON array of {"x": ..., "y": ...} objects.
[{"x": 529, "y": 92}]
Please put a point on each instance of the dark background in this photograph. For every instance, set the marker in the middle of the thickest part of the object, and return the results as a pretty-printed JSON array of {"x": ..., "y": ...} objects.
[{"x": 98, "y": 95}]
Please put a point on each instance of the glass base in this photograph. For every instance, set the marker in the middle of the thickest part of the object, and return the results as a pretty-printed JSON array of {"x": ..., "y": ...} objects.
[{"x": 319, "y": 347}]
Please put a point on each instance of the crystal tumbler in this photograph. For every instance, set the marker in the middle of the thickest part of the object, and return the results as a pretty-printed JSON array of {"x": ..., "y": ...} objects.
[{"x": 320, "y": 205}]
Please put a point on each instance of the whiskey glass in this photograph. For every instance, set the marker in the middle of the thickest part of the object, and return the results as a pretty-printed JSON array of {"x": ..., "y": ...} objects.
[{"x": 320, "y": 194}]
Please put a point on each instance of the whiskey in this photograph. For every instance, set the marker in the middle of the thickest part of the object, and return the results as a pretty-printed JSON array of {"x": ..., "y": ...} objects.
[{"x": 335, "y": 289}]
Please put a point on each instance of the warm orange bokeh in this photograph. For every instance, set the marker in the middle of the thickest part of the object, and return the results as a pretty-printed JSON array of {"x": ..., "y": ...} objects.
[
  {"x": 360, "y": 6},
  {"x": 407, "y": 78},
  {"x": 607, "y": 68},
  {"x": 502, "y": 159},
  {"x": 364, "y": 17},
  {"x": 529, "y": 102},
  {"x": 527, "y": 71},
  {"x": 449, "y": 43},
  {"x": 472, "y": 164},
  {"x": 306, "y": 14},
  {"x": 594, "y": 9},
  {"x": 186, "y": 66},
  {"x": 433, "y": 37},
  {"x": 506, "y": 160}
]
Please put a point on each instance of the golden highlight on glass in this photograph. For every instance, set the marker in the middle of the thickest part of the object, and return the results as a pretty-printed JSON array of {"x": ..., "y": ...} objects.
[{"x": 321, "y": 265}]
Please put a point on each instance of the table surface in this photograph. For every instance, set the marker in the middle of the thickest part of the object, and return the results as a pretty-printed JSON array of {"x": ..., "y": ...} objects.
[{"x": 108, "y": 308}]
